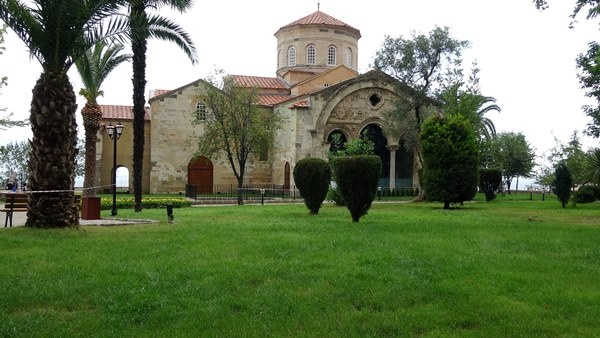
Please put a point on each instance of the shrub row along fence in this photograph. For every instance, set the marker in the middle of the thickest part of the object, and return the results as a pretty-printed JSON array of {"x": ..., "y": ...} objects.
[{"x": 251, "y": 192}]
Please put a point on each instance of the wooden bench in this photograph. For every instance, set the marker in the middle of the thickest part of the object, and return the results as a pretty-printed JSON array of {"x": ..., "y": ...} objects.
[{"x": 15, "y": 202}]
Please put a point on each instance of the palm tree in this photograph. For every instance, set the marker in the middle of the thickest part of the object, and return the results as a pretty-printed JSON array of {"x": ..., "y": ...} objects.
[
  {"x": 57, "y": 32},
  {"x": 94, "y": 67},
  {"x": 594, "y": 165},
  {"x": 150, "y": 26},
  {"x": 473, "y": 106},
  {"x": 483, "y": 125}
]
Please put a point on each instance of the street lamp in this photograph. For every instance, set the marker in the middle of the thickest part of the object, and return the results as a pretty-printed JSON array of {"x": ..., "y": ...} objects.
[{"x": 114, "y": 132}]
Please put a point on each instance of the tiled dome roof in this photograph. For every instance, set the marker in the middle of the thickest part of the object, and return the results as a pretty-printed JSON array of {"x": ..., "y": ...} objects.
[{"x": 320, "y": 18}]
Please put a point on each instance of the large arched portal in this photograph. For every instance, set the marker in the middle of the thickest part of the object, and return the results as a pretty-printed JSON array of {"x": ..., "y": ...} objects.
[
  {"x": 374, "y": 133},
  {"x": 200, "y": 174}
]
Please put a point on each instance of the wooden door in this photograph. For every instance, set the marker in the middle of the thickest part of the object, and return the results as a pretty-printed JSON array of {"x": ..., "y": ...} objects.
[{"x": 200, "y": 174}]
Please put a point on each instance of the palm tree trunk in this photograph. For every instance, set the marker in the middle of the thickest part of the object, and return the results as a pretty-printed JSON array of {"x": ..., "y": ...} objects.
[
  {"x": 91, "y": 114},
  {"x": 138, "y": 47},
  {"x": 53, "y": 152}
]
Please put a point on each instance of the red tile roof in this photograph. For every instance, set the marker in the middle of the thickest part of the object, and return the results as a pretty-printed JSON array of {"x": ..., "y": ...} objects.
[
  {"x": 320, "y": 18},
  {"x": 271, "y": 100},
  {"x": 259, "y": 82},
  {"x": 300, "y": 104},
  {"x": 157, "y": 92},
  {"x": 120, "y": 112}
]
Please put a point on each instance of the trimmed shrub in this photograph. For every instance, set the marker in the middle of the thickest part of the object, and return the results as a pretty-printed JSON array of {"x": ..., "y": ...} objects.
[
  {"x": 489, "y": 182},
  {"x": 587, "y": 194},
  {"x": 563, "y": 181},
  {"x": 357, "y": 177},
  {"x": 312, "y": 177},
  {"x": 451, "y": 160}
]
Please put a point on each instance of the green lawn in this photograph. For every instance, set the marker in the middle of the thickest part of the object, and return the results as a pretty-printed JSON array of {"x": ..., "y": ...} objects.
[{"x": 501, "y": 269}]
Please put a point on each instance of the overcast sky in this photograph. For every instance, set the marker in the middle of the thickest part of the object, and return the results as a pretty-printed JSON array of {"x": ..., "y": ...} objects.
[{"x": 527, "y": 57}]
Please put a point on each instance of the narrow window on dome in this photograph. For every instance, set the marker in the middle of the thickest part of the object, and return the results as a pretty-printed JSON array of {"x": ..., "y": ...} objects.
[
  {"x": 292, "y": 56},
  {"x": 311, "y": 53},
  {"x": 331, "y": 56},
  {"x": 279, "y": 59},
  {"x": 348, "y": 60}
]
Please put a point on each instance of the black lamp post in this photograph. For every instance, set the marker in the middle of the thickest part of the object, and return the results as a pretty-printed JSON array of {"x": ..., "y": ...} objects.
[{"x": 114, "y": 132}]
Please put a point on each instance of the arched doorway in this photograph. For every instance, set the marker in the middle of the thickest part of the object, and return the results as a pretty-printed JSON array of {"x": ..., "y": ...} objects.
[
  {"x": 200, "y": 174},
  {"x": 286, "y": 176},
  {"x": 122, "y": 179},
  {"x": 374, "y": 133}
]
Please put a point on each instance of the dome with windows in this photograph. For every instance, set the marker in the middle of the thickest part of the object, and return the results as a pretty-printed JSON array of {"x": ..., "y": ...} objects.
[{"x": 314, "y": 44}]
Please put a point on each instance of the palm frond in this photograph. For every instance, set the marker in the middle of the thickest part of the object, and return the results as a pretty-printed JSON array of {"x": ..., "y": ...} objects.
[{"x": 165, "y": 29}]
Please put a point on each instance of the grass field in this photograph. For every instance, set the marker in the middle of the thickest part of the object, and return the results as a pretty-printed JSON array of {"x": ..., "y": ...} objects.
[{"x": 502, "y": 269}]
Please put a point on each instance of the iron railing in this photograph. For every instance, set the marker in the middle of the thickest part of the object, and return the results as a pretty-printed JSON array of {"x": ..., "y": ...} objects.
[{"x": 250, "y": 192}]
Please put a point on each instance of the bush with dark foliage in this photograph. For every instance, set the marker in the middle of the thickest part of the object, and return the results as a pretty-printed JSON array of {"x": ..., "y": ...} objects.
[
  {"x": 312, "y": 177},
  {"x": 357, "y": 178},
  {"x": 489, "y": 182},
  {"x": 587, "y": 194}
]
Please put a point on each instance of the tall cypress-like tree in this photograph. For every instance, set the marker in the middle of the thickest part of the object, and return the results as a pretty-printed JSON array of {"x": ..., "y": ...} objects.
[
  {"x": 563, "y": 180},
  {"x": 451, "y": 159}
]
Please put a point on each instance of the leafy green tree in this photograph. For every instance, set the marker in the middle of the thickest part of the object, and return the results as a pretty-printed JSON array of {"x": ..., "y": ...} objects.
[
  {"x": 93, "y": 68},
  {"x": 563, "y": 181},
  {"x": 312, "y": 177},
  {"x": 423, "y": 65},
  {"x": 357, "y": 177},
  {"x": 235, "y": 125},
  {"x": 592, "y": 6},
  {"x": 512, "y": 154},
  {"x": 360, "y": 146},
  {"x": 6, "y": 121},
  {"x": 588, "y": 63},
  {"x": 574, "y": 157},
  {"x": 451, "y": 159},
  {"x": 13, "y": 159},
  {"x": 148, "y": 26},
  {"x": 56, "y": 33},
  {"x": 589, "y": 78}
]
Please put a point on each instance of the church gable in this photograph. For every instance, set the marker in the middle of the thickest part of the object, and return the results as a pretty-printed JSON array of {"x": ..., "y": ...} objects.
[{"x": 324, "y": 80}]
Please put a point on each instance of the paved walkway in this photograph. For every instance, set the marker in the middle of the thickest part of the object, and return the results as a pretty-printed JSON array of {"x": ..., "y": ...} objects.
[{"x": 19, "y": 219}]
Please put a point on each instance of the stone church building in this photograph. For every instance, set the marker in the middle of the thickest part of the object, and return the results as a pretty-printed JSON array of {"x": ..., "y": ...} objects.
[{"x": 316, "y": 88}]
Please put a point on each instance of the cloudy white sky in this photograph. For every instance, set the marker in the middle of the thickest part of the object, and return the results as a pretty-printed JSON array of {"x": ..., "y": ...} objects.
[{"x": 527, "y": 57}]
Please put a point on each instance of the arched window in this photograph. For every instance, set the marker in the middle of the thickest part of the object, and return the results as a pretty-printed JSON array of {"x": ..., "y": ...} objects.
[
  {"x": 291, "y": 56},
  {"x": 311, "y": 54},
  {"x": 348, "y": 57},
  {"x": 331, "y": 56},
  {"x": 200, "y": 111}
]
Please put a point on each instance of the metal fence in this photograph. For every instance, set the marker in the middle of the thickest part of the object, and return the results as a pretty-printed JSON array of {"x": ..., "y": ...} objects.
[{"x": 250, "y": 192}]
